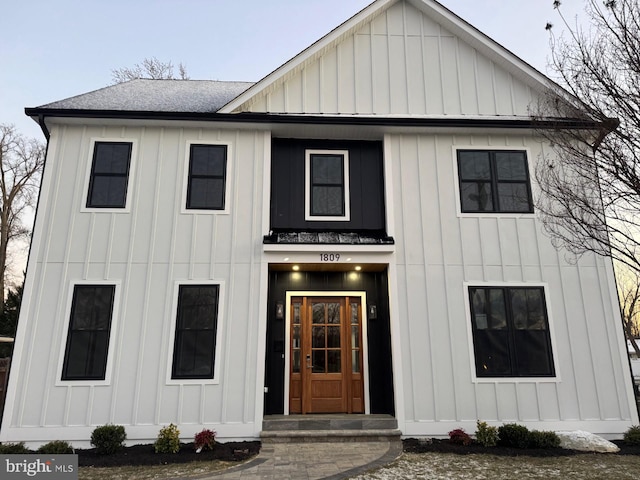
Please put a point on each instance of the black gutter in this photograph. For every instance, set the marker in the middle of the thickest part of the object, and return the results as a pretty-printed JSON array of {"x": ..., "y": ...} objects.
[{"x": 275, "y": 118}]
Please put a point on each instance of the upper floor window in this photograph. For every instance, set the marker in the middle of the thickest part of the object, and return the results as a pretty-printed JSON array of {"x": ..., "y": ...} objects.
[
  {"x": 206, "y": 184},
  {"x": 85, "y": 356},
  {"x": 195, "y": 334},
  {"x": 327, "y": 185},
  {"x": 510, "y": 332},
  {"x": 109, "y": 175},
  {"x": 494, "y": 181}
]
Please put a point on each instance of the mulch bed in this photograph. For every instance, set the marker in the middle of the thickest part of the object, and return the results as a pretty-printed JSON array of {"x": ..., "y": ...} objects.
[
  {"x": 413, "y": 445},
  {"x": 145, "y": 455}
]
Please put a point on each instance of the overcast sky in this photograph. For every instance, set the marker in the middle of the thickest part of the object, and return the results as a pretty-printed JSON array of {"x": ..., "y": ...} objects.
[{"x": 54, "y": 49}]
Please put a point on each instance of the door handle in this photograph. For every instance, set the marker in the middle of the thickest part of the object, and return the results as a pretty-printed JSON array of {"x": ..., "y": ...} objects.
[{"x": 308, "y": 361}]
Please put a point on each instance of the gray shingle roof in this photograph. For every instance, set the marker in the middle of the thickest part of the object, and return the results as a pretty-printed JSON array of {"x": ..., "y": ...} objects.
[{"x": 201, "y": 96}]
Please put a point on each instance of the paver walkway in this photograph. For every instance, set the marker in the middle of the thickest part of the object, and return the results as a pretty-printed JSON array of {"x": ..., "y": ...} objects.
[{"x": 313, "y": 461}]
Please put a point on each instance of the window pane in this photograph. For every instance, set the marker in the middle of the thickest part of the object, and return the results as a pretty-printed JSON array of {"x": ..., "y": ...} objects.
[
  {"x": 327, "y": 169},
  {"x": 206, "y": 193},
  {"x": 476, "y": 197},
  {"x": 532, "y": 352},
  {"x": 208, "y": 160},
  {"x": 514, "y": 197},
  {"x": 492, "y": 353},
  {"x": 196, "y": 325},
  {"x": 89, "y": 328},
  {"x": 318, "y": 337},
  {"x": 498, "y": 309},
  {"x": 327, "y": 201},
  {"x": 112, "y": 158},
  {"x": 527, "y": 305},
  {"x": 511, "y": 166},
  {"x": 318, "y": 361},
  {"x": 333, "y": 361},
  {"x": 333, "y": 337},
  {"x": 108, "y": 192},
  {"x": 474, "y": 165}
]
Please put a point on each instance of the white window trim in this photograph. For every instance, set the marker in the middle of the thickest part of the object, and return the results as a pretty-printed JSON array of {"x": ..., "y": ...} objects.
[
  {"x": 456, "y": 179},
  {"x": 227, "y": 179},
  {"x": 115, "y": 314},
  {"x": 307, "y": 184},
  {"x": 550, "y": 322},
  {"x": 172, "y": 334},
  {"x": 130, "y": 178}
]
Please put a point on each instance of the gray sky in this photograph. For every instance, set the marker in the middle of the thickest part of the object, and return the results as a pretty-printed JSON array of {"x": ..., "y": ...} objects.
[{"x": 54, "y": 49}]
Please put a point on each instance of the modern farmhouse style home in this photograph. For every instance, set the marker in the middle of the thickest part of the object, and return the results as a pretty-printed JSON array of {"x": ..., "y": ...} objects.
[{"x": 355, "y": 233}]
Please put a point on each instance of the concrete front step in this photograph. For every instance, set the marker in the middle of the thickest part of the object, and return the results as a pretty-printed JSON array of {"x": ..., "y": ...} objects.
[{"x": 329, "y": 428}]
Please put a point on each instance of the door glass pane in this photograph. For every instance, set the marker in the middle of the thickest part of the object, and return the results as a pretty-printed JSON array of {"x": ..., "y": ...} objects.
[
  {"x": 296, "y": 313},
  {"x": 354, "y": 313},
  {"x": 333, "y": 337},
  {"x": 318, "y": 361},
  {"x": 318, "y": 313},
  {"x": 355, "y": 338},
  {"x": 333, "y": 313},
  {"x": 355, "y": 361},
  {"x": 333, "y": 362},
  {"x": 296, "y": 336},
  {"x": 317, "y": 337},
  {"x": 296, "y": 361}
]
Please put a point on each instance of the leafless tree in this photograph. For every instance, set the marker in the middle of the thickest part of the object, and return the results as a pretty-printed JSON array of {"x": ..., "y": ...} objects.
[
  {"x": 589, "y": 184},
  {"x": 21, "y": 162},
  {"x": 629, "y": 294},
  {"x": 150, "y": 68}
]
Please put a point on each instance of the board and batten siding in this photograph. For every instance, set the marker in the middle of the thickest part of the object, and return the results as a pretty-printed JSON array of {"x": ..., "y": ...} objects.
[
  {"x": 145, "y": 250},
  {"x": 402, "y": 63},
  {"x": 440, "y": 252}
]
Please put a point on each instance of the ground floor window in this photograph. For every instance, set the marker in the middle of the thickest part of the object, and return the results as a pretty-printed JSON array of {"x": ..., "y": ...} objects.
[
  {"x": 195, "y": 336},
  {"x": 85, "y": 356},
  {"x": 510, "y": 332}
]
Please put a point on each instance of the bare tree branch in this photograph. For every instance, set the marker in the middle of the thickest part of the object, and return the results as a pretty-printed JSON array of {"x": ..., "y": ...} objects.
[{"x": 151, "y": 68}]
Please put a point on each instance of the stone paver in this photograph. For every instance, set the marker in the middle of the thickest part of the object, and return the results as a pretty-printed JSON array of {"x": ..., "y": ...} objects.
[{"x": 313, "y": 461}]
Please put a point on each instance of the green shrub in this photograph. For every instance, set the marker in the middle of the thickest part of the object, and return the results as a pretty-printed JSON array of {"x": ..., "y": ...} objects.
[
  {"x": 205, "y": 440},
  {"x": 513, "y": 435},
  {"x": 56, "y": 447},
  {"x": 632, "y": 436},
  {"x": 486, "y": 435},
  {"x": 13, "y": 449},
  {"x": 108, "y": 439},
  {"x": 459, "y": 437},
  {"x": 538, "y": 439},
  {"x": 168, "y": 440}
]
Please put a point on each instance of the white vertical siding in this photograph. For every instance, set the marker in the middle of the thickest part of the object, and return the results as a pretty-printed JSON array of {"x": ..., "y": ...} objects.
[
  {"x": 439, "y": 251},
  {"x": 146, "y": 250},
  {"x": 400, "y": 63}
]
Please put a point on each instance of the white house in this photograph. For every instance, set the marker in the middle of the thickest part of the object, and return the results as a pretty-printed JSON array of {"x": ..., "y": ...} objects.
[{"x": 353, "y": 233}]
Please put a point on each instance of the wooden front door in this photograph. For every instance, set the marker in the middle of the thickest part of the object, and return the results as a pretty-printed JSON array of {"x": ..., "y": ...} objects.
[{"x": 326, "y": 355}]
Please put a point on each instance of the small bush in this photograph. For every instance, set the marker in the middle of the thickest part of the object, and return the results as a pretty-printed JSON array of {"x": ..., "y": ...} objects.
[
  {"x": 486, "y": 435},
  {"x": 513, "y": 435},
  {"x": 538, "y": 439},
  {"x": 13, "y": 449},
  {"x": 168, "y": 440},
  {"x": 205, "y": 440},
  {"x": 108, "y": 439},
  {"x": 632, "y": 436},
  {"x": 56, "y": 447},
  {"x": 459, "y": 437}
]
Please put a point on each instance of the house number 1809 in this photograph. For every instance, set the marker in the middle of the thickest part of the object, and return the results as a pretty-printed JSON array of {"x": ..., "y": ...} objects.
[{"x": 329, "y": 257}]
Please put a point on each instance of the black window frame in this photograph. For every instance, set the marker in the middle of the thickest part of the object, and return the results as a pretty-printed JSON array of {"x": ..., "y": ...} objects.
[
  {"x": 93, "y": 342},
  {"x": 192, "y": 177},
  {"x": 495, "y": 182},
  {"x": 516, "y": 345},
  {"x": 96, "y": 175},
  {"x": 183, "y": 335},
  {"x": 313, "y": 184}
]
